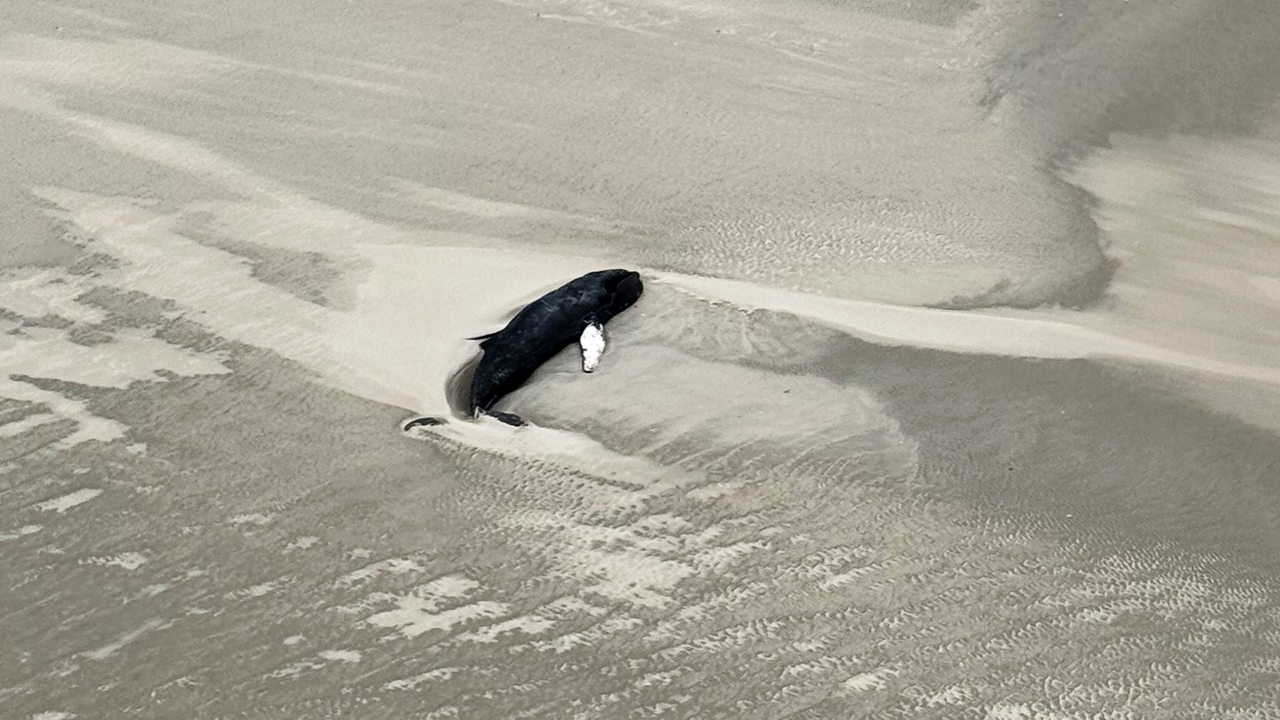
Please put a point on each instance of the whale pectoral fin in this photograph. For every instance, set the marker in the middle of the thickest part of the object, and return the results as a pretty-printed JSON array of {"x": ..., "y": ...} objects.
[
  {"x": 593, "y": 344},
  {"x": 484, "y": 338}
]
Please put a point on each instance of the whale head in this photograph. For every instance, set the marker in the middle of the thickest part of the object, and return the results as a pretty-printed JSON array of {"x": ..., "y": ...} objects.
[{"x": 622, "y": 289}]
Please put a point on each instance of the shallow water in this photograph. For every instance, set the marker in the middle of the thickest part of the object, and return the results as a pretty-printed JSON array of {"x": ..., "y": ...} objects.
[{"x": 952, "y": 392}]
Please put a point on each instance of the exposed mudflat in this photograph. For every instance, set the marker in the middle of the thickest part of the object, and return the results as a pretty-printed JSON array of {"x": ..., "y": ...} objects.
[{"x": 953, "y": 391}]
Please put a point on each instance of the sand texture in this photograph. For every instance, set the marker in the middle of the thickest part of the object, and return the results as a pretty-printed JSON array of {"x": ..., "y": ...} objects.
[{"x": 954, "y": 391}]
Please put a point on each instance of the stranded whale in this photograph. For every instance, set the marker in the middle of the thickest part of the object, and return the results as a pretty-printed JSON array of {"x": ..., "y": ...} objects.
[{"x": 576, "y": 310}]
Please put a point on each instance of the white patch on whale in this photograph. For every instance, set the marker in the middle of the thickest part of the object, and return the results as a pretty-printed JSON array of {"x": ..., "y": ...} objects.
[{"x": 592, "y": 342}]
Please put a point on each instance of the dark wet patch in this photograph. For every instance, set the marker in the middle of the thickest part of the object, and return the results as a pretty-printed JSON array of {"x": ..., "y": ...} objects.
[
  {"x": 40, "y": 439},
  {"x": 1080, "y": 444},
  {"x": 129, "y": 307},
  {"x": 89, "y": 336},
  {"x": 92, "y": 264},
  {"x": 309, "y": 276},
  {"x": 48, "y": 320},
  {"x": 23, "y": 444},
  {"x": 193, "y": 336},
  {"x": 11, "y": 409}
]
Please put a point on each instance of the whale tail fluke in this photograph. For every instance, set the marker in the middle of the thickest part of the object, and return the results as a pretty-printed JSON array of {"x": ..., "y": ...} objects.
[
  {"x": 422, "y": 422},
  {"x": 511, "y": 419}
]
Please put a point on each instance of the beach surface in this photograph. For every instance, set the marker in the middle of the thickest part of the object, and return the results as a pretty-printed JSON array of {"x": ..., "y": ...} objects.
[{"x": 954, "y": 391}]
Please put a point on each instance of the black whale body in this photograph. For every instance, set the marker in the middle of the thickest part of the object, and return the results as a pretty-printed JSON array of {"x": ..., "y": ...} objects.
[
  {"x": 540, "y": 331},
  {"x": 544, "y": 328}
]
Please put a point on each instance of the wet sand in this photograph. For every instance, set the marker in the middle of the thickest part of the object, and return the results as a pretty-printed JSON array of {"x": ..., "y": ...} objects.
[{"x": 951, "y": 393}]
